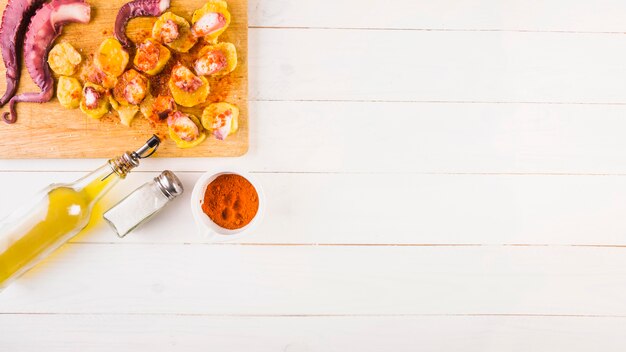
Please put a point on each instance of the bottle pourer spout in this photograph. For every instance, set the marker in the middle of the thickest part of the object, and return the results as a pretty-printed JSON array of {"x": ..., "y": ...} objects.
[
  {"x": 130, "y": 160},
  {"x": 150, "y": 147}
]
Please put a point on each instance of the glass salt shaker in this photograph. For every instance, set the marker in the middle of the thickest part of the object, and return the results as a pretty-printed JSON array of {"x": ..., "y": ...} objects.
[{"x": 143, "y": 203}]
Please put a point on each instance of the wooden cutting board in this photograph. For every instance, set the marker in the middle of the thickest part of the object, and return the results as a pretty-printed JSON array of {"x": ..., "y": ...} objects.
[{"x": 50, "y": 131}]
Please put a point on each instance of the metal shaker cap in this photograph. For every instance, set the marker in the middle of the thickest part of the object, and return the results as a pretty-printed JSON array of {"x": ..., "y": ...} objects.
[{"x": 169, "y": 184}]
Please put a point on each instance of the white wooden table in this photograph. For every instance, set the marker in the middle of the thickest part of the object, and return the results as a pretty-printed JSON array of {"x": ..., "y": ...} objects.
[{"x": 440, "y": 175}]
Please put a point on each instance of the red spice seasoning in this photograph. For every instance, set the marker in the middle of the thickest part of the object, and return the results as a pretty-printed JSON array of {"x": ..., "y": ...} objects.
[{"x": 230, "y": 201}]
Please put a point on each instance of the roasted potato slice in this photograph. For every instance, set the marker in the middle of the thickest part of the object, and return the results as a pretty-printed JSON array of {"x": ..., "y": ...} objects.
[
  {"x": 185, "y": 129},
  {"x": 188, "y": 89},
  {"x": 221, "y": 119},
  {"x": 69, "y": 92},
  {"x": 131, "y": 88},
  {"x": 111, "y": 58},
  {"x": 64, "y": 59},
  {"x": 174, "y": 31},
  {"x": 126, "y": 113},
  {"x": 217, "y": 60},
  {"x": 151, "y": 57},
  {"x": 157, "y": 108},
  {"x": 210, "y": 20},
  {"x": 90, "y": 73},
  {"x": 95, "y": 100}
]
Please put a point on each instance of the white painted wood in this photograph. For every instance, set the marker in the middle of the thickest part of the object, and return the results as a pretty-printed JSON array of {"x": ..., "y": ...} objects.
[
  {"x": 548, "y": 15},
  {"x": 392, "y": 209},
  {"x": 544, "y": 67},
  {"x": 359, "y": 65},
  {"x": 309, "y": 334},
  {"x": 313, "y": 280},
  {"x": 422, "y": 121},
  {"x": 424, "y": 138}
]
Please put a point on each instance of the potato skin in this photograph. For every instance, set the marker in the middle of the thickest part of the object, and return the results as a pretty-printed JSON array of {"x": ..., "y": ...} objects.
[
  {"x": 185, "y": 40},
  {"x": 189, "y": 99},
  {"x": 127, "y": 113},
  {"x": 111, "y": 58},
  {"x": 188, "y": 144},
  {"x": 90, "y": 73},
  {"x": 229, "y": 51},
  {"x": 217, "y": 6},
  {"x": 69, "y": 92},
  {"x": 142, "y": 60},
  {"x": 127, "y": 78},
  {"x": 103, "y": 102},
  {"x": 64, "y": 59},
  {"x": 211, "y": 112},
  {"x": 157, "y": 108}
]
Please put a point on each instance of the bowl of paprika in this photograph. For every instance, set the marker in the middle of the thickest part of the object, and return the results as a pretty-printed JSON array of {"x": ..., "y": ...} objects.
[{"x": 227, "y": 204}]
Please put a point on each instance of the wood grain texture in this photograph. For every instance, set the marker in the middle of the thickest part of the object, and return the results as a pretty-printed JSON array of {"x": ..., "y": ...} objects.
[
  {"x": 314, "y": 280},
  {"x": 50, "y": 131},
  {"x": 435, "y": 66},
  {"x": 184, "y": 333},
  {"x": 387, "y": 209},
  {"x": 608, "y": 16},
  {"x": 348, "y": 137},
  {"x": 491, "y": 115}
]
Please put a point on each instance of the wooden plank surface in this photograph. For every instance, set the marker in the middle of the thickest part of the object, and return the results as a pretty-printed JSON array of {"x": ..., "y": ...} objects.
[
  {"x": 600, "y": 16},
  {"x": 497, "y": 227},
  {"x": 407, "y": 209},
  {"x": 306, "y": 334},
  {"x": 436, "y": 66},
  {"x": 50, "y": 131},
  {"x": 313, "y": 280},
  {"x": 347, "y": 137}
]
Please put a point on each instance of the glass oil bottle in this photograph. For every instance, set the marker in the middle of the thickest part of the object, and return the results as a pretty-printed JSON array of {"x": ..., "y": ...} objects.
[{"x": 58, "y": 213}]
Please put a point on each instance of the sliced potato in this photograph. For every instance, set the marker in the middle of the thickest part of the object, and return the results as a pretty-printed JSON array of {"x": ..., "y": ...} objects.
[
  {"x": 95, "y": 100},
  {"x": 151, "y": 57},
  {"x": 182, "y": 40},
  {"x": 188, "y": 89},
  {"x": 127, "y": 113},
  {"x": 190, "y": 99},
  {"x": 221, "y": 119},
  {"x": 216, "y": 60},
  {"x": 147, "y": 106},
  {"x": 131, "y": 88},
  {"x": 157, "y": 109},
  {"x": 90, "y": 73},
  {"x": 69, "y": 92},
  {"x": 114, "y": 104},
  {"x": 211, "y": 20},
  {"x": 64, "y": 59},
  {"x": 111, "y": 57},
  {"x": 179, "y": 127}
]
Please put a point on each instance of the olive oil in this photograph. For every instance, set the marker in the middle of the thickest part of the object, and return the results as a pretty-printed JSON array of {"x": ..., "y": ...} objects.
[{"x": 59, "y": 213}]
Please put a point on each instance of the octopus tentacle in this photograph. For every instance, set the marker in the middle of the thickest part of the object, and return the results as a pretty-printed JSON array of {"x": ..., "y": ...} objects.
[
  {"x": 45, "y": 26},
  {"x": 136, "y": 8},
  {"x": 15, "y": 18},
  {"x": 44, "y": 95}
]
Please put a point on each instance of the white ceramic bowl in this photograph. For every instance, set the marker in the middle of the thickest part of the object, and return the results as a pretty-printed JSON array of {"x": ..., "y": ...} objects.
[{"x": 205, "y": 225}]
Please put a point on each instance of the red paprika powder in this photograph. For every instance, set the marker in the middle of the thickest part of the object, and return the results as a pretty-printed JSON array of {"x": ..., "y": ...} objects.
[{"x": 230, "y": 201}]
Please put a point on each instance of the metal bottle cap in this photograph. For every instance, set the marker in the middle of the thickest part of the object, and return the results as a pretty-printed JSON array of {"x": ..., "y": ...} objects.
[{"x": 169, "y": 184}]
